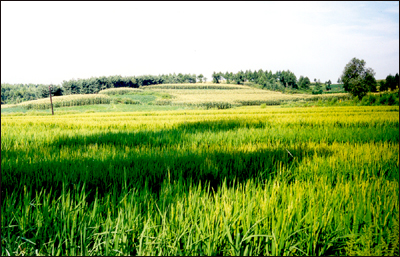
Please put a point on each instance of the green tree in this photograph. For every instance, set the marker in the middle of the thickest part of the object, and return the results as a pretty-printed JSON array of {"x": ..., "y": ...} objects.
[
  {"x": 370, "y": 82},
  {"x": 263, "y": 81},
  {"x": 383, "y": 86},
  {"x": 304, "y": 82},
  {"x": 356, "y": 78},
  {"x": 358, "y": 87},
  {"x": 200, "y": 78},
  {"x": 239, "y": 77},
  {"x": 227, "y": 77},
  {"x": 328, "y": 85},
  {"x": 216, "y": 77},
  {"x": 391, "y": 82},
  {"x": 317, "y": 88}
]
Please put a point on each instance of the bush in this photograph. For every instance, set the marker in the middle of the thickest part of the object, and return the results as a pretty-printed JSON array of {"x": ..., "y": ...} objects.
[
  {"x": 263, "y": 105},
  {"x": 317, "y": 92},
  {"x": 369, "y": 99},
  {"x": 392, "y": 99},
  {"x": 163, "y": 102},
  {"x": 125, "y": 100}
]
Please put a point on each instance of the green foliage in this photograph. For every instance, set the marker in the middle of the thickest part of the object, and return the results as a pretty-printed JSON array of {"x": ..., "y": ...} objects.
[
  {"x": 328, "y": 85},
  {"x": 357, "y": 79},
  {"x": 216, "y": 77},
  {"x": 288, "y": 78},
  {"x": 200, "y": 78},
  {"x": 391, "y": 82},
  {"x": 17, "y": 93},
  {"x": 125, "y": 100},
  {"x": 317, "y": 88},
  {"x": 370, "y": 82},
  {"x": 358, "y": 87},
  {"x": 239, "y": 77},
  {"x": 304, "y": 82}
]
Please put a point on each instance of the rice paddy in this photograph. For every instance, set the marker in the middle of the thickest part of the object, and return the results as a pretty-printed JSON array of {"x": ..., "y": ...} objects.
[{"x": 240, "y": 181}]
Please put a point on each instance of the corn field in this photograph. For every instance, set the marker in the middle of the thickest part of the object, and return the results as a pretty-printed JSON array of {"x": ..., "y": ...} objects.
[
  {"x": 243, "y": 96},
  {"x": 66, "y": 101},
  {"x": 197, "y": 86},
  {"x": 120, "y": 91},
  {"x": 250, "y": 181}
]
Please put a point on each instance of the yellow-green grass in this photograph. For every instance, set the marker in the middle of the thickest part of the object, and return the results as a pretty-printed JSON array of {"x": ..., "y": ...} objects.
[
  {"x": 245, "y": 181},
  {"x": 198, "y": 86},
  {"x": 245, "y": 96},
  {"x": 120, "y": 91},
  {"x": 65, "y": 101},
  {"x": 8, "y": 105}
]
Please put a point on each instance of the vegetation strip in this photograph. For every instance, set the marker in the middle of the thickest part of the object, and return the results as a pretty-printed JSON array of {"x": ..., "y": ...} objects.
[{"x": 254, "y": 181}]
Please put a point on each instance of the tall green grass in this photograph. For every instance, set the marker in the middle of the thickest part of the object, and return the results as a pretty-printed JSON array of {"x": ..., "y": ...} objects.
[{"x": 293, "y": 181}]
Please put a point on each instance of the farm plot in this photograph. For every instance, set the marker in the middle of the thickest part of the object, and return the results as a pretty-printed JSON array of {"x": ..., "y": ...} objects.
[
  {"x": 250, "y": 181},
  {"x": 240, "y": 96}
]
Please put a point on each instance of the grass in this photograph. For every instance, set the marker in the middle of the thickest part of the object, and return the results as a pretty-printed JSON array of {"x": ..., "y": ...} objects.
[
  {"x": 183, "y": 95},
  {"x": 120, "y": 91},
  {"x": 243, "y": 181},
  {"x": 198, "y": 86}
]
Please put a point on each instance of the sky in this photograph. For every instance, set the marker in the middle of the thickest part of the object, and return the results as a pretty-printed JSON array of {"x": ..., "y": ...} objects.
[{"x": 48, "y": 42}]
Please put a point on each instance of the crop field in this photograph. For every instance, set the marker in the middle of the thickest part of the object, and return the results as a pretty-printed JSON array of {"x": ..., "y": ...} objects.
[
  {"x": 188, "y": 96},
  {"x": 233, "y": 94},
  {"x": 64, "y": 101},
  {"x": 240, "y": 181}
]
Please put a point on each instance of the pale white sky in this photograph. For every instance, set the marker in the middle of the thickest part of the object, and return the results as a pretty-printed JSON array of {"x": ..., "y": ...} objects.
[{"x": 48, "y": 42}]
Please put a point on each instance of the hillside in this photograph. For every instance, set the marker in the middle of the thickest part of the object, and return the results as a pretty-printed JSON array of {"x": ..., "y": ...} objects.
[{"x": 199, "y": 95}]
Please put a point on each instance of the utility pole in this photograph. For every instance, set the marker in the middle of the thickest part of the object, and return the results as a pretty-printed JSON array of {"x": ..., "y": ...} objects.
[{"x": 51, "y": 101}]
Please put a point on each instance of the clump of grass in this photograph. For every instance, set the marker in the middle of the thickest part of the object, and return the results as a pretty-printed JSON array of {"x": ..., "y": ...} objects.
[{"x": 125, "y": 100}]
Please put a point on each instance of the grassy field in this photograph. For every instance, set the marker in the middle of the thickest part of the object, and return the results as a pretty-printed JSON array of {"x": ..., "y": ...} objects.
[
  {"x": 167, "y": 97},
  {"x": 233, "y": 94},
  {"x": 242, "y": 181}
]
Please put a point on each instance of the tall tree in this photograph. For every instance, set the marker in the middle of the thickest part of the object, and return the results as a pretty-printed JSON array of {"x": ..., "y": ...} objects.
[
  {"x": 216, "y": 77},
  {"x": 304, "y": 82},
  {"x": 328, "y": 85},
  {"x": 317, "y": 88},
  {"x": 390, "y": 82},
  {"x": 356, "y": 70},
  {"x": 200, "y": 78}
]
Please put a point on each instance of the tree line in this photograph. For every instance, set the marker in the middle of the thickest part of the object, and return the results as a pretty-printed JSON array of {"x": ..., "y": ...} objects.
[
  {"x": 266, "y": 79},
  {"x": 356, "y": 79},
  {"x": 359, "y": 80},
  {"x": 96, "y": 84},
  {"x": 16, "y": 93}
]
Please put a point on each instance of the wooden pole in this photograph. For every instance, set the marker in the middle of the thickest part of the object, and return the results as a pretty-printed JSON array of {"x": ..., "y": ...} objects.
[{"x": 51, "y": 101}]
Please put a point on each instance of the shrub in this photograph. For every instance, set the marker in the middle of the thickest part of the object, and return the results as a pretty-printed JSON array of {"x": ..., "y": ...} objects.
[
  {"x": 163, "y": 102},
  {"x": 125, "y": 100},
  {"x": 369, "y": 99},
  {"x": 120, "y": 91}
]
